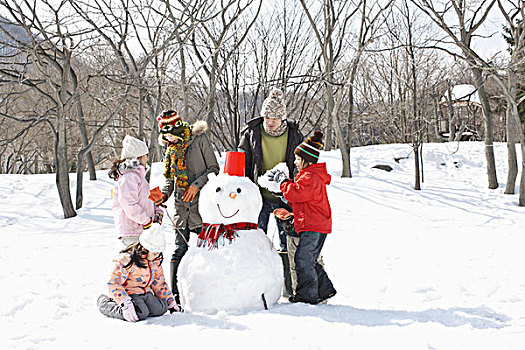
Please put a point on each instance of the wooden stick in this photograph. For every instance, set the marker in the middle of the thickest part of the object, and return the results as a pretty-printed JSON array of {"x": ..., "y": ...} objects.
[{"x": 264, "y": 301}]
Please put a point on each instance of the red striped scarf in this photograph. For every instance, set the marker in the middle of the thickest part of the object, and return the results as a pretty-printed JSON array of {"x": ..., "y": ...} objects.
[{"x": 211, "y": 233}]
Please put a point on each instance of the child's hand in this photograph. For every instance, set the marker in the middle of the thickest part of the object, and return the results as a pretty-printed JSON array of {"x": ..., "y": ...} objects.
[
  {"x": 173, "y": 307},
  {"x": 158, "y": 218},
  {"x": 128, "y": 310},
  {"x": 157, "y": 196},
  {"x": 282, "y": 213}
]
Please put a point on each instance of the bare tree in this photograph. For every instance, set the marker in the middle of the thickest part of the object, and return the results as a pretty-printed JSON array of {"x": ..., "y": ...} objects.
[
  {"x": 461, "y": 20},
  {"x": 332, "y": 42},
  {"x": 514, "y": 13},
  {"x": 217, "y": 41},
  {"x": 49, "y": 46}
]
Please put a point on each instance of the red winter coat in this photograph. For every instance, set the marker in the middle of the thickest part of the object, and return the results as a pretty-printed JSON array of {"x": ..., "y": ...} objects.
[{"x": 308, "y": 199}]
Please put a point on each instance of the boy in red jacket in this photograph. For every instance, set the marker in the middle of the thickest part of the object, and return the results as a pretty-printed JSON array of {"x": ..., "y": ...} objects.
[{"x": 313, "y": 219}]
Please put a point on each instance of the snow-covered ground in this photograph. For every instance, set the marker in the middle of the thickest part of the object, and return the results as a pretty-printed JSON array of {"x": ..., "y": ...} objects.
[{"x": 440, "y": 268}]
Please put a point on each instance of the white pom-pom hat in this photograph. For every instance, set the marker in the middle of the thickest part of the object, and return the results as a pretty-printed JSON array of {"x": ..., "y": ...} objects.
[
  {"x": 133, "y": 148},
  {"x": 153, "y": 239}
]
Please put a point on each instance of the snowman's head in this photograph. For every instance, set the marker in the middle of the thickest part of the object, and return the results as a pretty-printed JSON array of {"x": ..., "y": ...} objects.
[{"x": 229, "y": 199}]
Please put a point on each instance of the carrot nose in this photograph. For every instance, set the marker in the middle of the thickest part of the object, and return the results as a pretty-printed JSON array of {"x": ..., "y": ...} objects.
[{"x": 233, "y": 195}]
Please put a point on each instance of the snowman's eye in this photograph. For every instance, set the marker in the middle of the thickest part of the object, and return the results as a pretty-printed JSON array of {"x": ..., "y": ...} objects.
[
  {"x": 238, "y": 190},
  {"x": 218, "y": 189}
]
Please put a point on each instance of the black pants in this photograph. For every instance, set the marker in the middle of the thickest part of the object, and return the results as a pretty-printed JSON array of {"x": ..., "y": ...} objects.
[
  {"x": 264, "y": 217},
  {"x": 180, "y": 243},
  {"x": 313, "y": 284}
]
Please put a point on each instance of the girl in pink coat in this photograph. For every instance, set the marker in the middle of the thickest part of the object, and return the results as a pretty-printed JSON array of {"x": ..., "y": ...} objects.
[{"x": 133, "y": 212}]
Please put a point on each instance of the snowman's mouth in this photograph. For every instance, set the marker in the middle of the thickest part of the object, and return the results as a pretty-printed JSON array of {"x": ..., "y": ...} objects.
[{"x": 226, "y": 217}]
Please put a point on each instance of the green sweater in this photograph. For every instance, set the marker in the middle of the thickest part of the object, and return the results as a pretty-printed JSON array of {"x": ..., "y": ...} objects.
[{"x": 274, "y": 152}]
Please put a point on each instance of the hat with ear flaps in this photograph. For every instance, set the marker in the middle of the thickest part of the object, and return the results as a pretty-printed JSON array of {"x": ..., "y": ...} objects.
[
  {"x": 170, "y": 123},
  {"x": 175, "y": 157},
  {"x": 310, "y": 148}
]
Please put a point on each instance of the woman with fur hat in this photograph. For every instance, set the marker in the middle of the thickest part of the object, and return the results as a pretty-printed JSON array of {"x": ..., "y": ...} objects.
[
  {"x": 133, "y": 212},
  {"x": 188, "y": 160},
  {"x": 313, "y": 219},
  {"x": 137, "y": 287}
]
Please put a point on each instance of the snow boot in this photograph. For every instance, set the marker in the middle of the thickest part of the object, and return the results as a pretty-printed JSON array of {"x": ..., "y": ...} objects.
[
  {"x": 108, "y": 307},
  {"x": 287, "y": 287},
  {"x": 174, "y": 266},
  {"x": 325, "y": 287}
]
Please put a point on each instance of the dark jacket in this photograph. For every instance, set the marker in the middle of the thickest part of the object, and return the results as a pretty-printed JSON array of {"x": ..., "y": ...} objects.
[
  {"x": 309, "y": 200},
  {"x": 251, "y": 144},
  {"x": 200, "y": 161}
]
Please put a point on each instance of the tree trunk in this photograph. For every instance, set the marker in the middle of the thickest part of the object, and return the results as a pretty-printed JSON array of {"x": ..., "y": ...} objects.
[
  {"x": 421, "y": 164},
  {"x": 85, "y": 141},
  {"x": 210, "y": 102},
  {"x": 80, "y": 180},
  {"x": 489, "y": 133},
  {"x": 452, "y": 129},
  {"x": 140, "y": 132},
  {"x": 62, "y": 175},
  {"x": 153, "y": 147},
  {"x": 417, "y": 184},
  {"x": 512, "y": 159},
  {"x": 185, "y": 104},
  {"x": 522, "y": 180},
  {"x": 328, "y": 130},
  {"x": 349, "y": 126},
  {"x": 345, "y": 154}
]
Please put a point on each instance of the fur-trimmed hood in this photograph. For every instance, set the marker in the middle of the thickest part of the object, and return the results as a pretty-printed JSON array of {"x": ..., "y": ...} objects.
[{"x": 197, "y": 128}]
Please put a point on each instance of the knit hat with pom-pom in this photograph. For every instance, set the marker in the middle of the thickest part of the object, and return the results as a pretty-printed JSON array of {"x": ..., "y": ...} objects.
[
  {"x": 153, "y": 239},
  {"x": 273, "y": 106},
  {"x": 171, "y": 123},
  {"x": 310, "y": 148},
  {"x": 133, "y": 148}
]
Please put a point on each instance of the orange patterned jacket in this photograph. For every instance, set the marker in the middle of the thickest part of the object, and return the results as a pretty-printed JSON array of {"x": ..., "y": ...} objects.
[{"x": 135, "y": 280}]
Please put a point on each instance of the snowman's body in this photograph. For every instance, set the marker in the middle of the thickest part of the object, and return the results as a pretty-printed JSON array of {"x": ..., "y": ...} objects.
[{"x": 234, "y": 276}]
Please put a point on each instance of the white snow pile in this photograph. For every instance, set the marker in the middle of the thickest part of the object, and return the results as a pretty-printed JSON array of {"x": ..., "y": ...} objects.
[
  {"x": 440, "y": 268},
  {"x": 236, "y": 275},
  {"x": 462, "y": 92},
  {"x": 272, "y": 186}
]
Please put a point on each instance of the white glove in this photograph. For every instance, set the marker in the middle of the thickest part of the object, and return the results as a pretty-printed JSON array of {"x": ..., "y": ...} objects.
[
  {"x": 173, "y": 307},
  {"x": 277, "y": 176},
  {"x": 128, "y": 310}
]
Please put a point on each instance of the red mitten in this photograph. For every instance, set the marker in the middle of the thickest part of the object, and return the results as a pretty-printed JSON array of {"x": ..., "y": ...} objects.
[
  {"x": 157, "y": 196},
  {"x": 282, "y": 213}
]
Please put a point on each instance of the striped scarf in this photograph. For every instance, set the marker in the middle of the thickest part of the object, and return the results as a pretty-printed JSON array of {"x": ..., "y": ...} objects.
[
  {"x": 277, "y": 132},
  {"x": 175, "y": 161},
  {"x": 211, "y": 233}
]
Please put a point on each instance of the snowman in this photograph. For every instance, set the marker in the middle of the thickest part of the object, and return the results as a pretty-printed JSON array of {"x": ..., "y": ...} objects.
[{"x": 233, "y": 267}]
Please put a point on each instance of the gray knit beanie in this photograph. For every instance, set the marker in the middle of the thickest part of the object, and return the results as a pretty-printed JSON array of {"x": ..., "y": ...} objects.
[{"x": 273, "y": 106}]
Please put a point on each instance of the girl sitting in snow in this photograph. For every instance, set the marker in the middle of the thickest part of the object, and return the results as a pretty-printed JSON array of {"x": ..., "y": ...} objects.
[
  {"x": 137, "y": 273},
  {"x": 313, "y": 219},
  {"x": 133, "y": 212}
]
